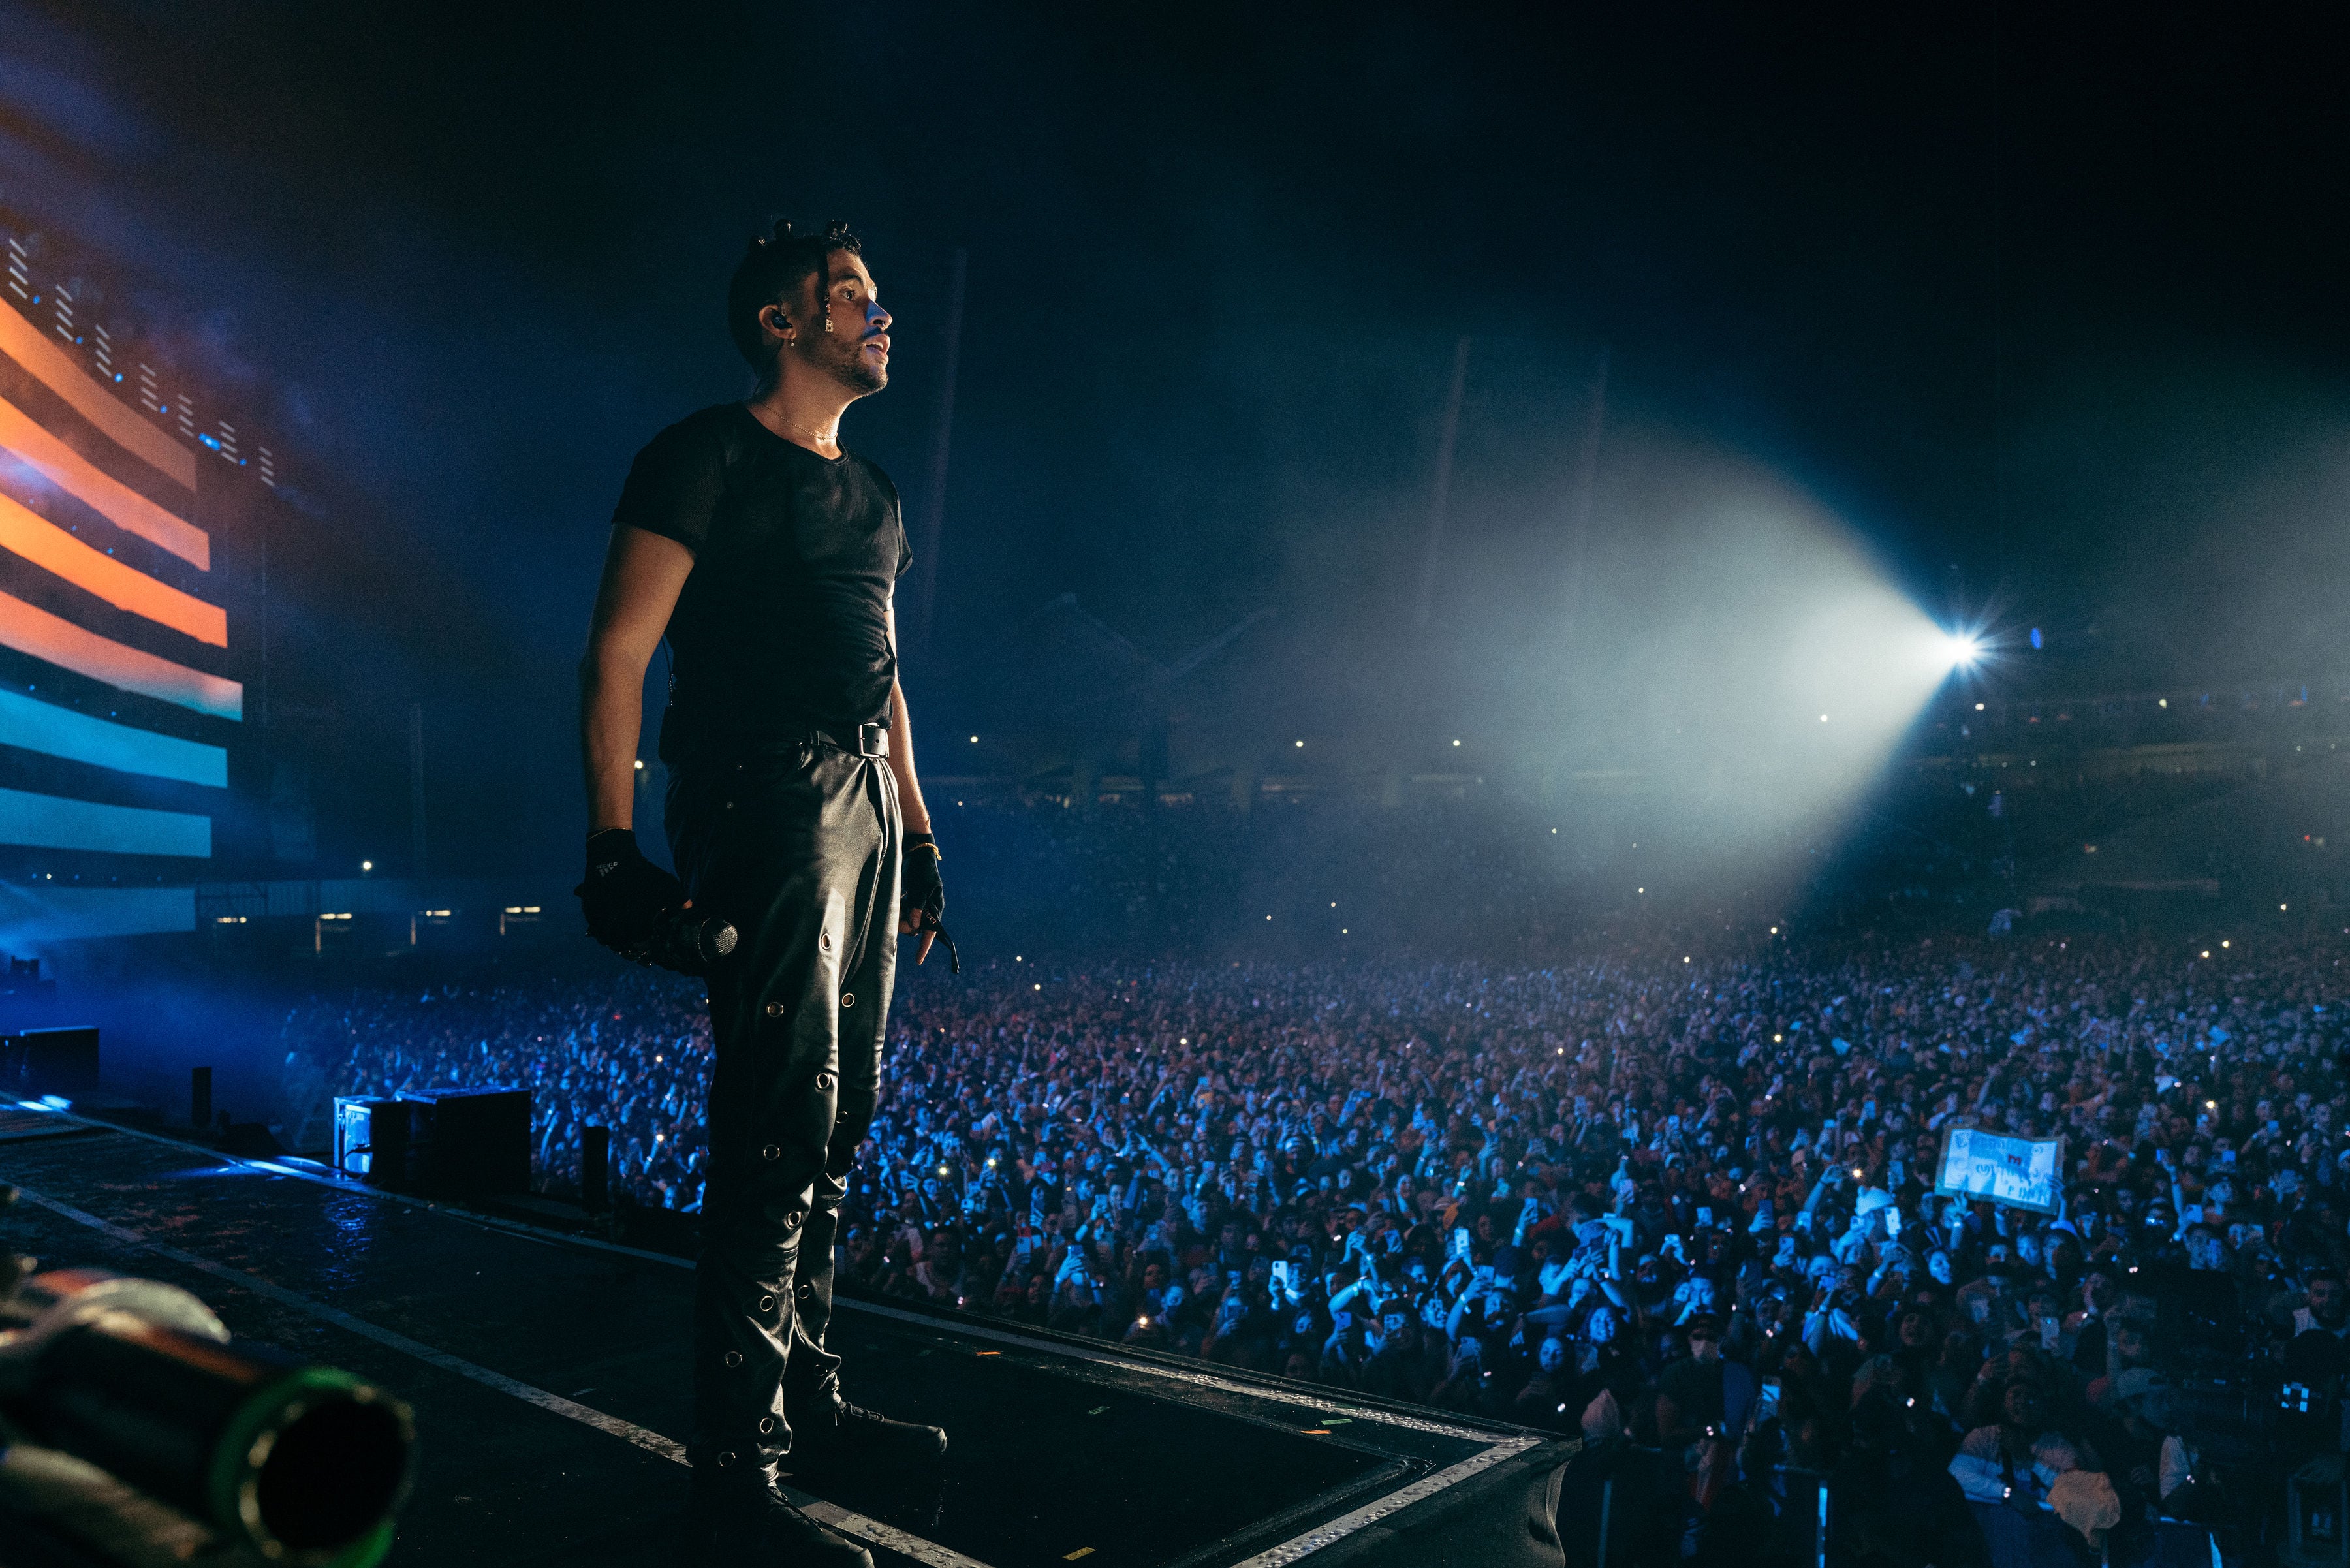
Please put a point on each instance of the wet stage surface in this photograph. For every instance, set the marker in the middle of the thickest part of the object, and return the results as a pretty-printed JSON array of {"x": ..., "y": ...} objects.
[{"x": 550, "y": 1378}]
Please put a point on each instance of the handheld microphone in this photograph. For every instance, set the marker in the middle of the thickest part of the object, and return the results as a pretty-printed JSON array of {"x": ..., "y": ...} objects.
[{"x": 690, "y": 943}]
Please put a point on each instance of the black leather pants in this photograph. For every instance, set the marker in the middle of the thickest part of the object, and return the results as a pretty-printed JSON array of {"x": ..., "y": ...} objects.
[{"x": 799, "y": 847}]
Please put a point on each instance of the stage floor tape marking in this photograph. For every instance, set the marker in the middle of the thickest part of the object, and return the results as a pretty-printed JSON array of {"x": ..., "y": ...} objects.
[
  {"x": 1396, "y": 1502},
  {"x": 869, "y": 1530},
  {"x": 1500, "y": 1449},
  {"x": 1349, "y": 1414}
]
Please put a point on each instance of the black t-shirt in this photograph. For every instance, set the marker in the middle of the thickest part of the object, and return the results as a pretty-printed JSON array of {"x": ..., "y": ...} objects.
[{"x": 782, "y": 626}]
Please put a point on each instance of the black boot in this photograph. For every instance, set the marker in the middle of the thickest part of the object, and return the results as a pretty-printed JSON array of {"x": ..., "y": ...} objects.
[
  {"x": 749, "y": 1524},
  {"x": 832, "y": 1437}
]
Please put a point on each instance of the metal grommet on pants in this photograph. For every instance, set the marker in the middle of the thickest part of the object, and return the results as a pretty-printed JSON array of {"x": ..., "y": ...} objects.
[
  {"x": 767, "y": 1425},
  {"x": 774, "y": 1010},
  {"x": 766, "y": 1304},
  {"x": 848, "y": 999},
  {"x": 734, "y": 1359},
  {"x": 804, "y": 1292},
  {"x": 725, "y": 1458},
  {"x": 824, "y": 1080},
  {"x": 772, "y": 1152},
  {"x": 792, "y": 1220}
]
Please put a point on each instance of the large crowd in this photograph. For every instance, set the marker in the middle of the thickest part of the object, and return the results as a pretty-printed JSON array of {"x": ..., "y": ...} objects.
[{"x": 1679, "y": 1198}]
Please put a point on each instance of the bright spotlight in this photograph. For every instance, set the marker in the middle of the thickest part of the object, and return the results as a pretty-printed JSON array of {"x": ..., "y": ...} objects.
[{"x": 1963, "y": 651}]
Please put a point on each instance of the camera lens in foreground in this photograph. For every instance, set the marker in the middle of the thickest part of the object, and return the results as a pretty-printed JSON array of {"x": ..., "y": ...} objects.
[{"x": 312, "y": 1467}]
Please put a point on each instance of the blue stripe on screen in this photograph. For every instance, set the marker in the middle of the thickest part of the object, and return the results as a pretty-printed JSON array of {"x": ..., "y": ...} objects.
[
  {"x": 39, "y": 726},
  {"x": 50, "y": 822}
]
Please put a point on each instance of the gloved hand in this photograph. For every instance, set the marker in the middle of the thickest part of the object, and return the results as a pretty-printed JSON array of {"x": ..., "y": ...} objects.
[
  {"x": 922, "y": 898},
  {"x": 626, "y": 895}
]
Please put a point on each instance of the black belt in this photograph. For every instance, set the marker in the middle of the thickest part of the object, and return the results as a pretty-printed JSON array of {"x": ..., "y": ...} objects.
[
  {"x": 861, "y": 741},
  {"x": 865, "y": 741}
]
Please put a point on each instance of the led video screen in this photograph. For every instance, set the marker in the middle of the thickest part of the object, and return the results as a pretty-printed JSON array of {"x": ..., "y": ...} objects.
[{"x": 117, "y": 709}]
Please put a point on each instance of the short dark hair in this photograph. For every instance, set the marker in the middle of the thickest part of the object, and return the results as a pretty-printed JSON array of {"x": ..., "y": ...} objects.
[{"x": 770, "y": 272}]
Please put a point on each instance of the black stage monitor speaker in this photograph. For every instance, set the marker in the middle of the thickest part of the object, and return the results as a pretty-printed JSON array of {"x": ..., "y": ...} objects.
[
  {"x": 36, "y": 1062},
  {"x": 480, "y": 1141},
  {"x": 381, "y": 1141}
]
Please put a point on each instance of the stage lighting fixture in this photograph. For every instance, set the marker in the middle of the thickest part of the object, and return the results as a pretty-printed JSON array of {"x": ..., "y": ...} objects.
[{"x": 1964, "y": 650}]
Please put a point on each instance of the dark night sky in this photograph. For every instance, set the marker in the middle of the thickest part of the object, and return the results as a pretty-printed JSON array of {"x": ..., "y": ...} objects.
[{"x": 1218, "y": 258}]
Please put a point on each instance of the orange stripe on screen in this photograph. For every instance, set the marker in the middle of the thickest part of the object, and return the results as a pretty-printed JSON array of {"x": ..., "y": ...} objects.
[
  {"x": 26, "y": 533},
  {"x": 28, "y": 628},
  {"x": 93, "y": 487},
  {"x": 50, "y": 364}
]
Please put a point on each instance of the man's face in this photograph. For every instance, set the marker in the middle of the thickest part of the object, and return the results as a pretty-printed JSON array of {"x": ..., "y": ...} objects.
[
  {"x": 2205, "y": 1250},
  {"x": 856, "y": 352},
  {"x": 2327, "y": 1302},
  {"x": 1705, "y": 1343}
]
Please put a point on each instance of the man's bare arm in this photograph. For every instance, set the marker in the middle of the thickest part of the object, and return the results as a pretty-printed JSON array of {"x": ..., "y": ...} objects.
[
  {"x": 643, "y": 574},
  {"x": 901, "y": 747},
  {"x": 910, "y": 807},
  {"x": 901, "y": 762}
]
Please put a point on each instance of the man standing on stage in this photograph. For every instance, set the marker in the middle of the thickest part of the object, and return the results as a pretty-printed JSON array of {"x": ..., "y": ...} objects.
[{"x": 767, "y": 557}]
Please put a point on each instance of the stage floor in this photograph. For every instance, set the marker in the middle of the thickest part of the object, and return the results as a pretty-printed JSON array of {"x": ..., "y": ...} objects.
[{"x": 548, "y": 1375}]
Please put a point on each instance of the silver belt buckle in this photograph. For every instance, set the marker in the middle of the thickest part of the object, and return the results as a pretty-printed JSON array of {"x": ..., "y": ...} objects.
[{"x": 873, "y": 739}]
